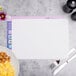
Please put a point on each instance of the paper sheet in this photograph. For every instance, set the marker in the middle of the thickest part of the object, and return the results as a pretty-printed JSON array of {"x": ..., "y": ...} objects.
[{"x": 40, "y": 38}]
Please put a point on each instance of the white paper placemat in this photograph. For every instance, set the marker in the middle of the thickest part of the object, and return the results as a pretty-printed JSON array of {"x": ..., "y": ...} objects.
[{"x": 40, "y": 38}]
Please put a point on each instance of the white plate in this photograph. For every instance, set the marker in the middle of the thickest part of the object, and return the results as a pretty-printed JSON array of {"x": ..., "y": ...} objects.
[{"x": 14, "y": 60}]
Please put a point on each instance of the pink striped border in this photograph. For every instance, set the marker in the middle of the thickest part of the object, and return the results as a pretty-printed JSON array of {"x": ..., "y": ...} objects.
[{"x": 37, "y": 17}]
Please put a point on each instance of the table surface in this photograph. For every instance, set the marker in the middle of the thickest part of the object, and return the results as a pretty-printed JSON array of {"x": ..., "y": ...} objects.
[
  {"x": 39, "y": 8},
  {"x": 42, "y": 68}
]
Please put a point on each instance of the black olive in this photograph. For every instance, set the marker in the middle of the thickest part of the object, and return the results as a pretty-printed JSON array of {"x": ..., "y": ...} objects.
[
  {"x": 71, "y": 4},
  {"x": 73, "y": 16},
  {"x": 66, "y": 9}
]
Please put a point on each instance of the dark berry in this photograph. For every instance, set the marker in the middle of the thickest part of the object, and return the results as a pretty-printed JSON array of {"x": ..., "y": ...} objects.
[
  {"x": 71, "y": 4},
  {"x": 66, "y": 9},
  {"x": 2, "y": 16},
  {"x": 73, "y": 16}
]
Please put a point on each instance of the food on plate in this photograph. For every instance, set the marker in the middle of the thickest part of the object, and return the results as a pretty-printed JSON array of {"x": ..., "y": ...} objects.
[
  {"x": 4, "y": 57},
  {"x": 6, "y": 68}
]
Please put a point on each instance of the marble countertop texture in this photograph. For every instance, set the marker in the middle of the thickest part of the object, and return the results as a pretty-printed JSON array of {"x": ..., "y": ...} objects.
[{"x": 39, "y": 8}]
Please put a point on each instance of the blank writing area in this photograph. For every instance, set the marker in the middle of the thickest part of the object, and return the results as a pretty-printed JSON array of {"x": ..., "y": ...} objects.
[{"x": 40, "y": 38}]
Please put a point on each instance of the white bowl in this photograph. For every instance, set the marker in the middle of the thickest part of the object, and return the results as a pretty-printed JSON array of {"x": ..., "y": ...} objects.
[{"x": 14, "y": 60}]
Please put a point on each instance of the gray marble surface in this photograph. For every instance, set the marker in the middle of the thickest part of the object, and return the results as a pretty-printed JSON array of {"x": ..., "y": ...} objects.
[
  {"x": 39, "y": 8},
  {"x": 42, "y": 68},
  {"x": 35, "y": 67},
  {"x": 3, "y": 33}
]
